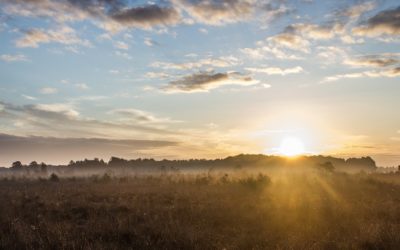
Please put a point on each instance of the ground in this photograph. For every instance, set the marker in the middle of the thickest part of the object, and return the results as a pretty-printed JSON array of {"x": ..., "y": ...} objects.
[{"x": 310, "y": 210}]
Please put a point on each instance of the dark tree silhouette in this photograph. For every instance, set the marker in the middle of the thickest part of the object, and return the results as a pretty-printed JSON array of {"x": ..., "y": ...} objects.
[{"x": 16, "y": 165}]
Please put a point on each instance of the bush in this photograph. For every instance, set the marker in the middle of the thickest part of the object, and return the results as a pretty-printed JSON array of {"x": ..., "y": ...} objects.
[{"x": 54, "y": 178}]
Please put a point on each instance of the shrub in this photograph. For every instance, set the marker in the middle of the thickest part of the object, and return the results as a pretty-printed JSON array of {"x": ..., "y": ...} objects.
[{"x": 54, "y": 178}]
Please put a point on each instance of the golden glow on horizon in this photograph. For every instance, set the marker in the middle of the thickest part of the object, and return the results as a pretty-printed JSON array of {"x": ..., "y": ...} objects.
[{"x": 291, "y": 146}]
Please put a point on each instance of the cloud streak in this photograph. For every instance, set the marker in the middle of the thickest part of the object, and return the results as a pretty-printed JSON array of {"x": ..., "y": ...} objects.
[
  {"x": 386, "y": 22},
  {"x": 219, "y": 62},
  {"x": 61, "y": 150},
  {"x": 393, "y": 72},
  {"x": 64, "y": 35},
  {"x": 50, "y": 119},
  {"x": 14, "y": 58},
  {"x": 205, "y": 81},
  {"x": 277, "y": 70},
  {"x": 374, "y": 61}
]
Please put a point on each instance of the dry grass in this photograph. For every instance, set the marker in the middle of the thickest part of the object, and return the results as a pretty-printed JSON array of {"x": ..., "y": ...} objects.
[{"x": 289, "y": 211}]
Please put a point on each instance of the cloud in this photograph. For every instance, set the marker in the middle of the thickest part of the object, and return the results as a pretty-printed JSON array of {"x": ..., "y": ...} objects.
[
  {"x": 332, "y": 54},
  {"x": 57, "y": 108},
  {"x": 61, "y": 150},
  {"x": 116, "y": 15},
  {"x": 373, "y": 61},
  {"x": 85, "y": 137},
  {"x": 217, "y": 12},
  {"x": 111, "y": 15},
  {"x": 204, "y": 81},
  {"x": 51, "y": 119},
  {"x": 314, "y": 31},
  {"x": 393, "y": 72},
  {"x": 144, "y": 17},
  {"x": 219, "y": 62},
  {"x": 159, "y": 75},
  {"x": 348, "y": 39},
  {"x": 64, "y": 35},
  {"x": 138, "y": 115},
  {"x": 89, "y": 98},
  {"x": 203, "y": 30},
  {"x": 290, "y": 41},
  {"x": 343, "y": 76},
  {"x": 14, "y": 58},
  {"x": 123, "y": 55},
  {"x": 273, "y": 10},
  {"x": 135, "y": 114},
  {"x": 121, "y": 45},
  {"x": 385, "y": 22},
  {"x": 61, "y": 11},
  {"x": 269, "y": 50},
  {"x": 276, "y": 70},
  {"x": 150, "y": 42},
  {"x": 47, "y": 91},
  {"x": 355, "y": 11},
  {"x": 82, "y": 86},
  {"x": 29, "y": 97}
]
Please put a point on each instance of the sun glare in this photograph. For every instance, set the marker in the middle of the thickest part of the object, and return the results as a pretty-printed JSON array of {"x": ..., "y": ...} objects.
[{"x": 291, "y": 146}]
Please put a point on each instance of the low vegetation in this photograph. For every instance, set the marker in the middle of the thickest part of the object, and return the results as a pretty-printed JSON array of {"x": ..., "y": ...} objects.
[{"x": 315, "y": 209}]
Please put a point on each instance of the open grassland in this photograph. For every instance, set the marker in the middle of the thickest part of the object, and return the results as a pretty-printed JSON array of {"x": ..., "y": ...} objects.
[{"x": 309, "y": 210}]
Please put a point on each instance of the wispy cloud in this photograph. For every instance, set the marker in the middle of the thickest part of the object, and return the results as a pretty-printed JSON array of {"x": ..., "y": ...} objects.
[
  {"x": 64, "y": 35},
  {"x": 28, "y": 97},
  {"x": 315, "y": 31},
  {"x": 383, "y": 60},
  {"x": 205, "y": 81},
  {"x": 290, "y": 41},
  {"x": 123, "y": 55},
  {"x": 217, "y": 12},
  {"x": 121, "y": 45},
  {"x": 140, "y": 116},
  {"x": 393, "y": 72},
  {"x": 50, "y": 119},
  {"x": 150, "y": 42},
  {"x": 82, "y": 86},
  {"x": 48, "y": 90},
  {"x": 276, "y": 70},
  {"x": 355, "y": 11},
  {"x": 14, "y": 58},
  {"x": 219, "y": 62}
]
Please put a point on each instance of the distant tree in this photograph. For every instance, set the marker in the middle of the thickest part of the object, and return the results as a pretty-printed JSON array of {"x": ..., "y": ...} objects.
[
  {"x": 327, "y": 166},
  {"x": 33, "y": 164},
  {"x": 43, "y": 167},
  {"x": 16, "y": 165},
  {"x": 366, "y": 162},
  {"x": 117, "y": 162},
  {"x": 54, "y": 178}
]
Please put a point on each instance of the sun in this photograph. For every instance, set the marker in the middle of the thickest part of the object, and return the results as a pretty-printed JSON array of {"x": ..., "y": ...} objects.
[{"x": 291, "y": 146}]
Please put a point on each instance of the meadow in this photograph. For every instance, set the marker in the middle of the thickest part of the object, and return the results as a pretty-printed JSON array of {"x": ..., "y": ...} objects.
[{"x": 311, "y": 209}]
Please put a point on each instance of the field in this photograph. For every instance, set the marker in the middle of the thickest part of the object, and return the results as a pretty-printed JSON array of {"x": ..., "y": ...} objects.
[{"x": 303, "y": 210}]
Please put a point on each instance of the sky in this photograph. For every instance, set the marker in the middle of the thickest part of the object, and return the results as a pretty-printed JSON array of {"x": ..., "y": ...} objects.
[{"x": 185, "y": 79}]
